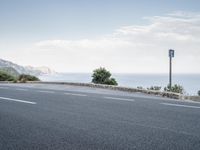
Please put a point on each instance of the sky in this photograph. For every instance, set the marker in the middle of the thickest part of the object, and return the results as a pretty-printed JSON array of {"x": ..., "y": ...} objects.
[{"x": 124, "y": 36}]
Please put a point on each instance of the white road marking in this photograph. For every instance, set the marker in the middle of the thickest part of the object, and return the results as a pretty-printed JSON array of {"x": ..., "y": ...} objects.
[
  {"x": 46, "y": 91},
  {"x": 178, "y": 105},
  {"x": 121, "y": 99},
  {"x": 73, "y": 94},
  {"x": 21, "y": 89},
  {"x": 17, "y": 100},
  {"x": 3, "y": 87}
]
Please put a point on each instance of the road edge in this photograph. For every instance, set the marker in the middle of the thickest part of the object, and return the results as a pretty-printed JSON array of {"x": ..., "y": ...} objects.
[{"x": 117, "y": 88}]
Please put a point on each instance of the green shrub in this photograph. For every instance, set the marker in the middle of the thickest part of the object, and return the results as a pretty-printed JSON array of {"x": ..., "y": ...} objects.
[
  {"x": 102, "y": 76},
  {"x": 175, "y": 88},
  {"x": 6, "y": 77},
  {"x": 111, "y": 81},
  {"x": 155, "y": 88},
  {"x": 140, "y": 87},
  {"x": 198, "y": 93},
  {"x": 24, "y": 78}
]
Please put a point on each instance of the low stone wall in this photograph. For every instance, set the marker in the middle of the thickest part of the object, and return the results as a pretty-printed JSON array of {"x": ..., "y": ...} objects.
[
  {"x": 6, "y": 82},
  {"x": 119, "y": 88},
  {"x": 193, "y": 98}
]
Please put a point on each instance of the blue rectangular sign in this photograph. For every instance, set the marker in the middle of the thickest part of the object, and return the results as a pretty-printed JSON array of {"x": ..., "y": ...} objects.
[{"x": 171, "y": 53}]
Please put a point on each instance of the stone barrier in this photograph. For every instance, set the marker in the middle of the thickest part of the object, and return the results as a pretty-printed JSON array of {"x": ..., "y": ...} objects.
[{"x": 118, "y": 88}]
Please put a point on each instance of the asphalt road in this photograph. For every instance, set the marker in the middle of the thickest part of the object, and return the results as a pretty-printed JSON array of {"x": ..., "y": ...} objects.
[{"x": 66, "y": 117}]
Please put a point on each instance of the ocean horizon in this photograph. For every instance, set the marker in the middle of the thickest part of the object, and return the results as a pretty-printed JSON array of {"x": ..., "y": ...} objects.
[{"x": 190, "y": 82}]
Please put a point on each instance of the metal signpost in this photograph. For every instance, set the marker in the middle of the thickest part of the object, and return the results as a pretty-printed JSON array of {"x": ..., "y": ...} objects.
[{"x": 171, "y": 55}]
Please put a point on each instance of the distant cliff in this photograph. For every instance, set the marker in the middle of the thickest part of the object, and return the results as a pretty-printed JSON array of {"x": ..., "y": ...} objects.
[
  {"x": 16, "y": 69},
  {"x": 40, "y": 70}
]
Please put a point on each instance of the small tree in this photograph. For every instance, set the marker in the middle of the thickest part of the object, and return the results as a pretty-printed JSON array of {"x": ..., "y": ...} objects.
[
  {"x": 198, "y": 93},
  {"x": 175, "y": 88},
  {"x": 102, "y": 76},
  {"x": 24, "y": 77}
]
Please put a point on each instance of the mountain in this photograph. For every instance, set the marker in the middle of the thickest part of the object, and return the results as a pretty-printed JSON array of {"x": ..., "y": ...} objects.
[{"x": 7, "y": 65}]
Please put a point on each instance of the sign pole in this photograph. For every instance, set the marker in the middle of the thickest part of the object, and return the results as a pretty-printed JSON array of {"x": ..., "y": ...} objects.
[
  {"x": 171, "y": 55},
  {"x": 170, "y": 72}
]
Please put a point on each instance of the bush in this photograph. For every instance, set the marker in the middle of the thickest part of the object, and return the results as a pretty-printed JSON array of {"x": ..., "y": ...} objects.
[
  {"x": 24, "y": 78},
  {"x": 102, "y": 76},
  {"x": 6, "y": 77},
  {"x": 198, "y": 93},
  {"x": 155, "y": 88},
  {"x": 175, "y": 88},
  {"x": 140, "y": 87},
  {"x": 111, "y": 81}
]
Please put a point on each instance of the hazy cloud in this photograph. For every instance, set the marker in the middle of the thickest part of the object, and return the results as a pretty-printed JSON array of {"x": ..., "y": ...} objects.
[{"x": 131, "y": 48}]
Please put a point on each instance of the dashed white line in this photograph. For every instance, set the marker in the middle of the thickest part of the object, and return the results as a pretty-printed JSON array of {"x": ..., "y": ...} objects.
[
  {"x": 73, "y": 94},
  {"x": 21, "y": 89},
  {"x": 179, "y": 105},
  {"x": 3, "y": 87},
  {"x": 121, "y": 99},
  {"x": 17, "y": 100},
  {"x": 46, "y": 91}
]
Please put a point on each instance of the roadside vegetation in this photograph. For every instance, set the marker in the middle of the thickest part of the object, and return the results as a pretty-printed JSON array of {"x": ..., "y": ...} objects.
[
  {"x": 24, "y": 78},
  {"x": 140, "y": 87},
  {"x": 198, "y": 93},
  {"x": 102, "y": 76},
  {"x": 4, "y": 76},
  {"x": 175, "y": 88},
  {"x": 155, "y": 88}
]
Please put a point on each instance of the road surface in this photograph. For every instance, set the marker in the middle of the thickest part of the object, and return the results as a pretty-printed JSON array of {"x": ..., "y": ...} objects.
[{"x": 60, "y": 117}]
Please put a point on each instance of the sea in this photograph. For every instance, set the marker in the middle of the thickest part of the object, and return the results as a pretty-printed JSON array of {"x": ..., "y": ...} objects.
[{"x": 190, "y": 82}]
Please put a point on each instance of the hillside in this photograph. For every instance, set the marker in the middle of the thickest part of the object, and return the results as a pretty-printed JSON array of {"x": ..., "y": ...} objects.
[
  {"x": 6, "y": 77},
  {"x": 15, "y": 69},
  {"x": 10, "y": 70}
]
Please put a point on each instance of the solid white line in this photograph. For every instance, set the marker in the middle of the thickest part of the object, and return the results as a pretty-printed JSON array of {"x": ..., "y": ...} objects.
[
  {"x": 178, "y": 105},
  {"x": 73, "y": 94},
  {"x": 121, "y": 99},
  {"x": 17, "y": 100},
  {"x": 46, "y": 91}
]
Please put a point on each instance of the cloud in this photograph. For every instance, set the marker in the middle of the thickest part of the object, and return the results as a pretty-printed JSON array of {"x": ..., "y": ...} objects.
[{"x": 131, "y": 48}]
